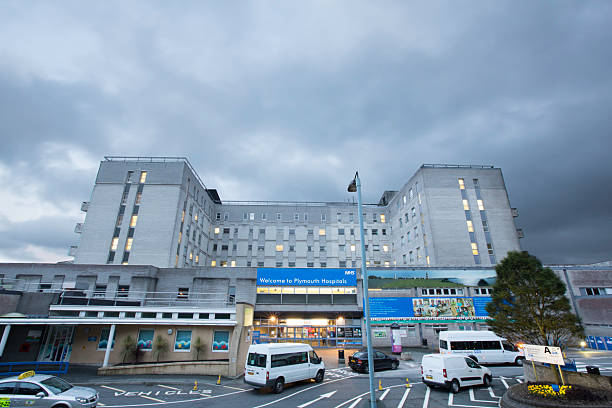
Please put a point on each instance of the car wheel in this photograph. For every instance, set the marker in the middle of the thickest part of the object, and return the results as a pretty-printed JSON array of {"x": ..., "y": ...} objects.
[
  {"x": 486, "y": 380},
  {"x": 319, "y": 377},
  {"x": 519, "y": 361},
  {"x": 394, "y": 365},
  {"x": 279, "y": 385},
  {"x": 454, "y": 386},
  {"x": 473, "y": 358}
]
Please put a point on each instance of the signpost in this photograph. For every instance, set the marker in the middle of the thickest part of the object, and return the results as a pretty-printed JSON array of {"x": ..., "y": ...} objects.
[{"x": 544, "y": 354}]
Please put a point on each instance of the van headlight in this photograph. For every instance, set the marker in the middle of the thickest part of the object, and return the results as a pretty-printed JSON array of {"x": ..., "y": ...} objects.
[{"x": 82, "y": 400}]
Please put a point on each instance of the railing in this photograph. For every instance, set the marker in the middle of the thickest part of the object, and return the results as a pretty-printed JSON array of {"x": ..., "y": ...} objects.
[
  {"x": 133, "y": 298},
  {"x": 7, "y": 368},
  {"x": 294, "y": 203},
  {"x": 457, "y": 166}
]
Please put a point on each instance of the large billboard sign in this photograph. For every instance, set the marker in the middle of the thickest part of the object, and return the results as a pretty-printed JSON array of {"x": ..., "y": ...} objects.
[
  {"x": 306, "y": 277},
  {"x": 414, "y": 308}
]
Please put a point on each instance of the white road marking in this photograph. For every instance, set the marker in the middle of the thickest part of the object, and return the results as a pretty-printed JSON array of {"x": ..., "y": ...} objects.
[
  {"x": 503, "y": 380},
  {"x": 176, "y": 402},
  {"x": 236, "y": 388},
  {"x": 472, "y": 398},
  {"x": 357, "y": 401},
  {"x": 111, "y": 388},
  {"x": 384, "y": 394},
  {"x": 492, "y": 394},
  {"x": 367, "y": 392},
  {"x": 299, "y": 392},
  {"x": 426, "y": 399},
  {"x": 327, "y": 395},
  {"x": 452, "y": 404},
  {"x": 170, "y": 388},
  {"x": 151, "y": 398},
  {"x": 519, "y": 380},
  {"x": 403, "y": 400}
]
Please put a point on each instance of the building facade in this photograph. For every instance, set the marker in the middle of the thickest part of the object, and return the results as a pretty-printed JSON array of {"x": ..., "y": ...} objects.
[{"x": 157, "y": 211}]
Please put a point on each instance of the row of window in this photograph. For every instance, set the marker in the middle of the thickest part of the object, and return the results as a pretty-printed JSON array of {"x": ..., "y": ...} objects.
[
  {"x": 340, "y": 217},
  {"x": 595, "y": 291},
  {"x": 320, "y": 232},
  {"x": 292, "y": 264},
  {"x": 182, "y": 340}
]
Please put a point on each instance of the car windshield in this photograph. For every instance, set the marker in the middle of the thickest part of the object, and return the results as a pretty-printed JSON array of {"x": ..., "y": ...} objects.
[
  {"x": 56, "y": 385},
  {"x": 361, "y": 354}
]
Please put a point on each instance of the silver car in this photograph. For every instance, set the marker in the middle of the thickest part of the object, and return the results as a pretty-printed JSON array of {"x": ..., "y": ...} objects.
[{"x": 41, "y": 390}]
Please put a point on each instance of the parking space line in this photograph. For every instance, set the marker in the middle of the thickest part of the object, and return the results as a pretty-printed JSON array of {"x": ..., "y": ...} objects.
[
  {"x": 503, "y": 380},
  {"x": 111, "y": 388},
  {"x": 151, "y": 398},
  {"x": 170, "y": 388},
  {"x": 236, "y": 388},
  {"x": 472, "y": 398},
  {"x": 404, "y": 397},
  {"x": 357, "y": 401},
  {"x": 492, "y": 394},
  {"x": 176, "y": 402},
  {"x": 299, "y": 392},
  {"x": 384, "y": 394},
  {"x": 519, "y": 380},
  {"x": 426, "y": 399}
]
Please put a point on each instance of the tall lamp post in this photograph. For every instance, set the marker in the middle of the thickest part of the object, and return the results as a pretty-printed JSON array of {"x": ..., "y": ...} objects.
[{"x": 355, "y": 186}]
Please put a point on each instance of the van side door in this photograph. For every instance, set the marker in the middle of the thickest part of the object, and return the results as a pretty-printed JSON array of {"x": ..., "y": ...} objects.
[
  {"x": 472, "y": 374},
  {"x": 313, "y": 364}
]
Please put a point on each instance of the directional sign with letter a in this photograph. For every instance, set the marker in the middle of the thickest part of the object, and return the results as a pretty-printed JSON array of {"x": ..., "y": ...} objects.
[{"x": 544, "y": 354}]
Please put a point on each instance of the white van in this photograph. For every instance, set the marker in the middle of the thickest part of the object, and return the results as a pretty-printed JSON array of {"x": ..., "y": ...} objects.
[
  {"x": 453, "y": 371},
  {"x": 273, "y": 365},
  {"x": 482, "y": 346}
]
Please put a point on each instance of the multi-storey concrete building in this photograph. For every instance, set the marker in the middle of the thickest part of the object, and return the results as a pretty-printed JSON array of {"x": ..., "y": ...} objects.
[{"x": 157, "y": 211}]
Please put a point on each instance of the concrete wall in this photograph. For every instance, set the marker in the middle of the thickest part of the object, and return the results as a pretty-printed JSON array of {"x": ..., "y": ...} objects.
[{"x": 187, "y": 368}]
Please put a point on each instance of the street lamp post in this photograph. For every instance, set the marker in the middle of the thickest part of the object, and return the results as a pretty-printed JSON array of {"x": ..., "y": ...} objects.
[{"x": 355, "y": 186}]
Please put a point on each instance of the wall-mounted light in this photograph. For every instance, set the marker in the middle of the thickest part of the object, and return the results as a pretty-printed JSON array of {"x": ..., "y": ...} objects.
[{"x": 169, "y": 331}]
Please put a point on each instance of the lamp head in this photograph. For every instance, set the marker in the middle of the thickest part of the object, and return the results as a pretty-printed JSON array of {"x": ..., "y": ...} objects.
[{"x": 352, "y": 188}]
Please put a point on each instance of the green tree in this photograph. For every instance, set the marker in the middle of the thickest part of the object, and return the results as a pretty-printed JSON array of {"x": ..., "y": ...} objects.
[
  {"x": 529, "y": 303},
  {"x": 160, "y": 346}
]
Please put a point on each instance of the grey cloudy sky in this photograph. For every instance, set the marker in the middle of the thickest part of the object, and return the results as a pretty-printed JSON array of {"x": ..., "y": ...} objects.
[{"x": 284, "y": 100}]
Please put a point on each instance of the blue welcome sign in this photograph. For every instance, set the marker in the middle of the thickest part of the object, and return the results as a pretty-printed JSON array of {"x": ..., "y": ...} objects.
[{"x": 306, "y": 277}]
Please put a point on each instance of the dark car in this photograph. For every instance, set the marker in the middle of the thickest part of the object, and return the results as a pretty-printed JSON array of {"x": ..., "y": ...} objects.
[{"x": 382, "y": 361}]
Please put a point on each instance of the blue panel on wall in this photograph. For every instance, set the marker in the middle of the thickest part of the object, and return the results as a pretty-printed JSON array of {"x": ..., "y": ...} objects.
[{"x": 306, "y": 277}]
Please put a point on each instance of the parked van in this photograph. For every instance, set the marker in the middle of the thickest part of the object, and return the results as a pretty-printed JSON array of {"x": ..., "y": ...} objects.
[
  {"x": 482, "y": 346},
  {"x": 274, "y": 365},
  {"x": 453, "y": 371}
]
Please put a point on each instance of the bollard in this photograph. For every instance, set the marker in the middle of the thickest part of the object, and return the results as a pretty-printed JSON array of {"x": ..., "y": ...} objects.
[
  {"x": 408, "y": 383},
  {"x": 379, "y": 385},
  {"x": 195, "y": 386},
  {"x": 219, "y": 380}
]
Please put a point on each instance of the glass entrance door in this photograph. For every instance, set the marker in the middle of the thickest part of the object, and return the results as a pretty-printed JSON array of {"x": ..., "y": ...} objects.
[{"x": 57, "y": 344}]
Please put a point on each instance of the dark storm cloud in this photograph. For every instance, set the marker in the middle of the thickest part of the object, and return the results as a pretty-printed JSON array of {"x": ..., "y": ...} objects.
[{"x": 286, "y": 102}]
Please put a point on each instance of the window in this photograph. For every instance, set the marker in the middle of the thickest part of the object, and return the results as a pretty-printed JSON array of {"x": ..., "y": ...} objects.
[
  {"x": 103, "y": 343},
  {"x": 114, "y": 243},
  {"x": 182, "y": 341},
  {"x": 26, "y": 388},
  {"x": 461, "y": 184},
  {"x": 233, "y": 264},
  {"x": 323, "y": 217},
  {"x": 470, "y": 226},
  {"x": 279, "y": 264},
  {"x": 245, "y": 216},
  {"x": 215, "y": 246},
  {"x": 383, "y": 218},
  {"x": 342, "y": 264},
  {"x": 182, "y": 294},
  {"x": 341, "y": 248},
  {"x": 213, "y": 263},
  {"x": 224, "y": 247},
  {"x": 226, "y": 216},
  {"x": 466, "y": 205},
  {"x": 220, "y": 340},
  {"x": 352, "y": 247},
  {"x": 123, "y": 290},
  {"x": 305, "y": 216},
  {"x": 143, "y": 177},
  {"x": 384, "y": 231},
  {"x": 411, "y": 256},
  {"x": 322, "y": 231},
  {"x": 234, "y": 247},
  {"x": 279, "y": 248},
  {"x": 376, "y": 247},
  {"x": 474, "y": 248},
  {"x": 323, "y": 264},
  {"x": 291, "y": 231},
  {"x": 340, "y": 231},
  {"x": 263, "y": 216},
  {"x": 480, "y": 205},
  {"x": 218, "y": 217},
  {"x": 257, "y": 360},
  {"x": 309, "y": 264},
  {"x": 138, "y": 198},
  {"x": 223, "y": 264},
  {"x": 485, "y": 225},
  {"x": 278, "y": 217},
  {"x": 322, "y": 248},
  {"x": 226, "y": 230},
  {"x": 339, "y": 217},
  {"x": 413, "y": 212},
  {"x": 385, "y": 248},
  {"x": 145, "y": 340},
  {"x": 352, "y": 231},
  {"x": 260, "y": 247},
  {"x": 309, "y": 248},
  {"x": 99, "y": 291},
  {"x": 291, "y": 248},
  {"x": 217, "y": 230},
  {"x": 128, "y": 244},
  {"x": 374, "y": 232},
  {"x": 351, "y": 217},
  {"x": 490, "y": 249}
]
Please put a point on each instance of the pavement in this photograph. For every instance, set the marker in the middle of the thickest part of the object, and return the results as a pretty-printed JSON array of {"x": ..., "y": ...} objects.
[{"x": 88, "y": 375}]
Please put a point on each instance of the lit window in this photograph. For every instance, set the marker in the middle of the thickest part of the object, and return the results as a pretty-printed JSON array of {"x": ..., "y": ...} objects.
[
  {"x": 114, "y": 243},
  {"x": 474, "y": 248},
  {"x": 410, "y": 194},
  {"x": 195, "y": 217},
  {"x": 183, "y": 216},
  {"x": 279, "y": 248},
  {"x": 191, "y": 256},
  {"x": 213, "y": 263},
  {"x": 470, "y": 226},
  {"x": 128, "y": 244},
  {"x": 197, "y": 258},
  {"x": 138, "y": 198},
  {"x": 322, "y": 231},
  {"x": 404, "y": 198},
  {"x": 251, "y": 216},
  {"x": 352, "y": 247},
  {"x": 385, "y": 248},
  {"x": 224, "y": 264},
  {"x": 382, "y": 218},
  {"x": 480, "y": 205},
  {"x": 461, "y": 184},
  {"x": 419, "y": 195},
  {"x": 427, "y": 257},
  {"x": 180, "y": 237},
  {"x": 233, "y": 264},
  {"x": 133, "y": 221},
  {"x": 143, "y": 177},
  {"x": 387, "y": 263},
  {"x": 217, "y": 230},
  {"x": 466, "y": 205}
]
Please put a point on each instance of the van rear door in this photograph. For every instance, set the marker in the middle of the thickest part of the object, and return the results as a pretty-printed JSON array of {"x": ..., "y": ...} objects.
[
  {"x": 432, "y": 369},
  {"x": 255, "y": 369}
]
